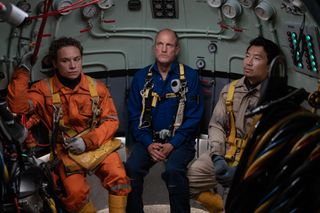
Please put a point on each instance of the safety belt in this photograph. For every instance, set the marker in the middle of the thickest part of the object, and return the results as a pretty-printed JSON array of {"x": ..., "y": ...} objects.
[
  {"x": 58, "y": 114},
  {"x": 236, "y": 145},
  {"x": 147, "y": 100},
  {"x": 182, "y": 100},
  {"x": 150, "y": 99}
]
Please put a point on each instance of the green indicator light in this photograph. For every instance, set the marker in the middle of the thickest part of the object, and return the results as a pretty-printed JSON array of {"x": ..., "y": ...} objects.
[
  {"x": 300, "y": 65},
  {"x": 294, "y": 41},
  {"x": 308, "y": 38},
  {"x": 313, "y": 64},
  {"x": 293, "y": 35},
  {"x": 314, "y": 69},
  {"x": 309, "y": 44},
  {"x": 310, "y": 51},
  {"x": 312, "y": 57}
]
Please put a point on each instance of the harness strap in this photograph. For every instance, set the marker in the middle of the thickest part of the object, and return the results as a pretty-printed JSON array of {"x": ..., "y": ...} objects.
[
  {"x": 235, "y": 144},
  {"x": 155, "y": 98},
  {"x": 146, "y": 93},
  {"x": 182, "y": 75},
  {"x": 229, "y": 104},
  {"x": 95, "y": 101},
  {"x": 150, "y": 99},
  {"x": 58, "y": 114},
  {"x": 182, "y": 94},
  {"x": 56, "y": 101},
  {"x": 170, "y": 95},
  {"x": 145, "y": 117}
]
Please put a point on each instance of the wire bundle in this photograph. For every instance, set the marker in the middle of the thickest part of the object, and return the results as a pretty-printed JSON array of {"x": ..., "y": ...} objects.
[{"x": 278, "y": 171}]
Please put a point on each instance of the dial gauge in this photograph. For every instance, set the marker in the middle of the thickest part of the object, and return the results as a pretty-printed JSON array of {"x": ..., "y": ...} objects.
[
  {"x": 215, "y": 3},
  {"x": 200, "y": 63},
  {"x": 231, "y": 9},
  {"x": 40, "y": 7},
  {"x": 247, "y": 3},
  {"x": 212, "y": 47},
  {"x": 105, "y": 4},
  {"x": 24, "y": 5},
  {"x": 264, "y": 10},
  {"x": 61, "y": 4},
  {"x": 89, "y": 11}
]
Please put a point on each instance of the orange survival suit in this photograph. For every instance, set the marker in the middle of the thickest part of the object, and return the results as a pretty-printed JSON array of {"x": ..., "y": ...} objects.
[{"x": 77, "y": 114}]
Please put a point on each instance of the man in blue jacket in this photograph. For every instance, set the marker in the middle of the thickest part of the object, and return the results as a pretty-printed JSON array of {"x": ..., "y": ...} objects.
[{"x": 165, "y": 108}]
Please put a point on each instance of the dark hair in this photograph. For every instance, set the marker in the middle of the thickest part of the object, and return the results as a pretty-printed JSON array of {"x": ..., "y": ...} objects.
[
  {"x": 63, "y": 42},
  {"x": 270, "y": 47}
]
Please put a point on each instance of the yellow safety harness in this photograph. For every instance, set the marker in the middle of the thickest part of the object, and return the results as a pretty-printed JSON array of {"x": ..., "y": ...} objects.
[
  {"x": 182, "y": 95},
  {"x": 58, "y": 114},
  {"x": 236, "y": 145},
  {"x": 150, "y": 99}
]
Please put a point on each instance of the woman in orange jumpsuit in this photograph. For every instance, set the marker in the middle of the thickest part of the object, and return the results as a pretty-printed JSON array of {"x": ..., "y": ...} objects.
[{"x": 69, "y": 97}]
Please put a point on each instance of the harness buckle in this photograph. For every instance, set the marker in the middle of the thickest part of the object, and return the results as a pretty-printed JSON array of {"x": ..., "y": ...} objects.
[
  {"x": 144, "y": 124},
  {"x": 96, "y": 111},
  {"x": 57, "y": 113},
  {"x": 183, "y": 91},
  {"x": 239, "y": 145},
  {"x": 148, "y": 85}
]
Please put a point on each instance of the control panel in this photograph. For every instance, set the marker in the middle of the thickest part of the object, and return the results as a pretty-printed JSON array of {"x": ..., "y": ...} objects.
[
  {"x": 304, "y": 43},
  {"x": 164, "y": 8}
]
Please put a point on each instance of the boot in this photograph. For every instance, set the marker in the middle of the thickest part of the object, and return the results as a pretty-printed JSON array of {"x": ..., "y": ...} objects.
[
  {"x": 117, "y": 203},
  {"x": 211, "y": 201},
  {"x": 88, "y": 208}
]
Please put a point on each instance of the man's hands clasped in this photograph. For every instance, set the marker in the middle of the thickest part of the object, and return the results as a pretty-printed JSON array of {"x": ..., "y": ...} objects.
[{"x": 159, "y": 151}]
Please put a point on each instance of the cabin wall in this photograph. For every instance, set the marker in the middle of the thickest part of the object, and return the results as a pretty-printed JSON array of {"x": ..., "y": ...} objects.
[{"x": 117, "y": 41}]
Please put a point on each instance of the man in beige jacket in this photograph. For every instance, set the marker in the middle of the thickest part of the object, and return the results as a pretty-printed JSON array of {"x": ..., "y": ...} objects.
[{"x": 226, "y": 133}]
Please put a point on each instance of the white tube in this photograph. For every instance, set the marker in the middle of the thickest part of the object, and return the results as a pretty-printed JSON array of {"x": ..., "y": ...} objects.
[{"x": 12, "y": 14}]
